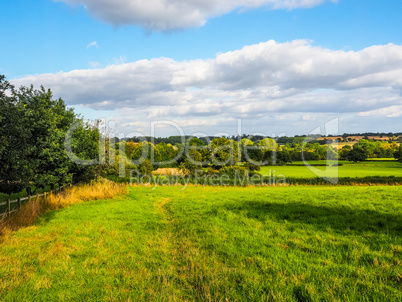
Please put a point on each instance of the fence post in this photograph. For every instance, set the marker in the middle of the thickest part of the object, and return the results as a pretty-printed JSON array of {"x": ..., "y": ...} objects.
[
  {"x": 45, "y": 196},
  {"x": 19, "y": 202},
  {"x": 29, "y": 198},
  {"x": 8, "y": 207}
]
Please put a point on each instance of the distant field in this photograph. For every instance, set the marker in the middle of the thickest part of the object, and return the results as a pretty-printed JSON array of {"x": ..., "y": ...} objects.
[
  {"x": 368, "y": 168},
  {"x": 213, "y": 244}
]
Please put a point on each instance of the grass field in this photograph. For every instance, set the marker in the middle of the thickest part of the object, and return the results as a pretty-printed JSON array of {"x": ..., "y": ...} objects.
[
  {"x": 213, "y": 244},
  {"x": 367, "y": 168}
]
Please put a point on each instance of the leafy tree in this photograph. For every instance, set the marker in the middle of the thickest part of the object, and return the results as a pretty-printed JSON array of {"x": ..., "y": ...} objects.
[
  {"x": 166, "y": 152},
  {"x": 129, "y": 148},
  {"x": 146, "y": 167},
  {"x": 224, "y": 151},
  {"x": 192, "y": 162},
  {"x": 357, "y": 154},
  {"x": 33, "y": 129},
  {"x": 344, "y": 152},
  {"x": 46, "y": 122},
  {"x": 398, "y": 154},
  {"x": 85, "y": 145},
  {"x": 195, "y": 141},
  {"x": 14, "y": 168},
  {"x": 283, "y": 157}
]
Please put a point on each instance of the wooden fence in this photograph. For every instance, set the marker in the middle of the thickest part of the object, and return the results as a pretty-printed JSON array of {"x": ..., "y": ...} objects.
[{"x": 20, "y": 201}]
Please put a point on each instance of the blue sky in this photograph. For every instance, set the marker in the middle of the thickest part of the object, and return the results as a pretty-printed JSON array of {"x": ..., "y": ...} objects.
[{"x": 54, "y": 43}]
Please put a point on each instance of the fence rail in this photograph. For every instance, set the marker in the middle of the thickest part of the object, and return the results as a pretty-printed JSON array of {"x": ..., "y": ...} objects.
[{"x": 20, "y": 201}]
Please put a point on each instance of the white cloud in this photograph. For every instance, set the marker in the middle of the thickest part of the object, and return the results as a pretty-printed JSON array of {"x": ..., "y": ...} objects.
[
  {"x": 93, "y": 44},
  {"x": 163, "y": 15},
  {"x": 391, "y": 111},
  {"x": 268, "y": 79},
  {"x": 94, "y": 64}
]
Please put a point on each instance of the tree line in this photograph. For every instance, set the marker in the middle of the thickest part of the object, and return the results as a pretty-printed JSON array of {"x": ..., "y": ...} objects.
[{"x": 222, "y": 153}]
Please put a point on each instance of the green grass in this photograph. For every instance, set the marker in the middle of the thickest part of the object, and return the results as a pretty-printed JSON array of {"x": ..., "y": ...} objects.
[
  {"x": 218, "y": 244},
  {"x": 364, "y": 169},
  {"x": 381, "y": 159}
]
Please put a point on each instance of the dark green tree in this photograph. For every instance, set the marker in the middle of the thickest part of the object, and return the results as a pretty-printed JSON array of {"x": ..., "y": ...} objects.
[
  {"x": 14, "y": 168},
  {"x": 398, "y": 154},
  {"x": 357, "y": 154},
  {"x": 146, "y": 167},
  {"x": 224, "y": 152},
  {"x": 46, "y": 122},
  {"x": 33, "y": 129}
]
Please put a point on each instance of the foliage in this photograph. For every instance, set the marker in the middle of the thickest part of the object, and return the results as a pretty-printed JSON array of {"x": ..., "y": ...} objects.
[
  {"x": 14, "y": 169},
  {"x": 283, "y": 157},
  {"x": 192, "y": 162},
  {"x": 398, "y": 154},
  {"x": 224, "y": 152},
  {"x": 234, "y": 171},
  {"x": 357, "y": 154},
  {"x": 33, "y": 129},
  {"x": 146, "y": 167}
]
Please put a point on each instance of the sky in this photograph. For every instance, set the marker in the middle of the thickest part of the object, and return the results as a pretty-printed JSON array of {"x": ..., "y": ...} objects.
[{"x": 203, "y": 67}]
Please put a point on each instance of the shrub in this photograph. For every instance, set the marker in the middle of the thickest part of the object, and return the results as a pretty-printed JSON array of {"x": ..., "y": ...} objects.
[{"x": 231, "y": 171}]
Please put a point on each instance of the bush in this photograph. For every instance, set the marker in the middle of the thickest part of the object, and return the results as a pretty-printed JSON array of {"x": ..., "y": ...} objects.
[{"x": 231, "y": 171}]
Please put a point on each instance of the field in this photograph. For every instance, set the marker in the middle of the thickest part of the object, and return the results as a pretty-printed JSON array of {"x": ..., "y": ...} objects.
[
  {"x": 364, "y": 169},
  {"x": 213, "y": 244}
]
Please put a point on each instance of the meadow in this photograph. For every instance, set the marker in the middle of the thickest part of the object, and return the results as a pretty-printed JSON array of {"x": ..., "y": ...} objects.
[
  {"x": 213, "y": 244},
  {"x": 348, "y": 169}
]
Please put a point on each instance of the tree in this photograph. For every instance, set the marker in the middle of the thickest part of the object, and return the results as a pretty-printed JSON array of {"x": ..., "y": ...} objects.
[
  {"x": 146, "y": 167},
  {"x": 357, "y": 154},
  {"x": 224, "y": 152},
  {"x": 398, "y": 154},
  {"x": 344, "y": 152},
  {"x": 33, "y": 129},
  {"x": 14, "y": 168},
  {"x": 46, "y": 122},
  {"x": 283, "y": 157},
  {"x": 192, "y": 162},
  {"x": 85, "y": 145}
]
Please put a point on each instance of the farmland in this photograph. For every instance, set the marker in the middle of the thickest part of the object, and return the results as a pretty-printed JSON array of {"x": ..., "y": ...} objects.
[
  {"x": 213, "y": 243},
  {"x": 348, "y": 169}
]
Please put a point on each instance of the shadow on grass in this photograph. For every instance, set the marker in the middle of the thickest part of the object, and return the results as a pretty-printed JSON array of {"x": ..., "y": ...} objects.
[
  {"x": 322, "y": 217},
  {"x": 47, "y": 217}
]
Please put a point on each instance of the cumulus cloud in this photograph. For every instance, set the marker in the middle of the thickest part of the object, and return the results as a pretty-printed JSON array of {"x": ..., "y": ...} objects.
[
  {"x": 391, "y": 111},
  {"x": 164, "y": 15},
  {"x": 267, "y": 79}
]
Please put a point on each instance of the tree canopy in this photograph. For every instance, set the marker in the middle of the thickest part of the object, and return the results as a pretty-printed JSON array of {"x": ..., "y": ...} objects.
[{"x": 33, "y": 129}]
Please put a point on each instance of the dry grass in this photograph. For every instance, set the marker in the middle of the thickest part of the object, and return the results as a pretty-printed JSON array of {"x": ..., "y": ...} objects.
[
  {"x": 30, "y": 211},
  {"x": 168, "y": 172}
]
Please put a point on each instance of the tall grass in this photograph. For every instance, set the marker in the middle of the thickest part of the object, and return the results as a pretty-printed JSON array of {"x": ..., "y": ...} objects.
[{"x": 33, "y": 209}]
